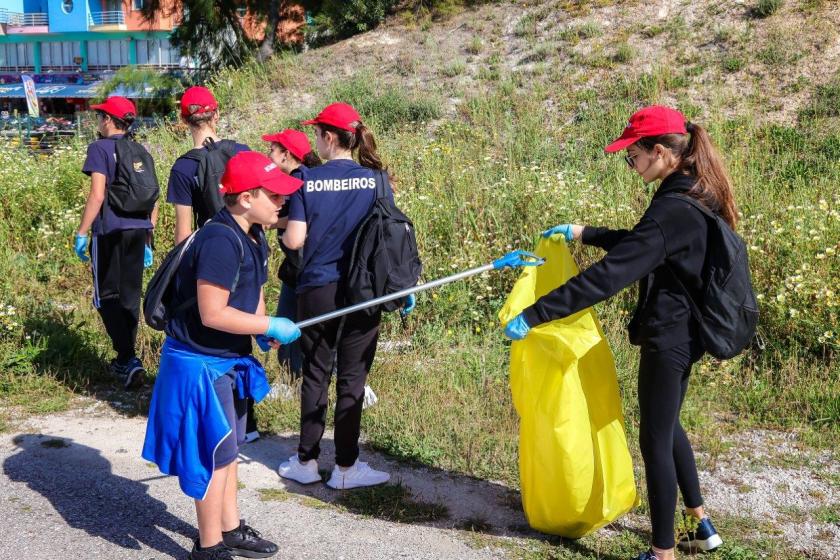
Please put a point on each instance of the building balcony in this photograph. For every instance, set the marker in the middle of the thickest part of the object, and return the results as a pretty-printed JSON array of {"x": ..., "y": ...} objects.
[
  {"x": 17, "y": 22},
  {"x": 114, "y": 19}
]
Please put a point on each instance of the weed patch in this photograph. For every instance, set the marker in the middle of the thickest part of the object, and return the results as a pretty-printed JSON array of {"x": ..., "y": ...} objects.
[{"x": 393, "y": 502}]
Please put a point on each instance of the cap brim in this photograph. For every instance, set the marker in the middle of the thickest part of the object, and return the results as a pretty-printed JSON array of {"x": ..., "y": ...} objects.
[
  {"x": 271, "y": 137},
  {"x": 282, "y": 184},
  {"x": 622, "y": 143},
  {"x": 310, "y": 121},
  {"x": 99, "y": 107}
]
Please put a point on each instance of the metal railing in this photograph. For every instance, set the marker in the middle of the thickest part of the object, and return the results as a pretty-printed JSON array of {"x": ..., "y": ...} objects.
[
  {"x": 17, "y": 19},
  {"x": 114, "y": 17}
]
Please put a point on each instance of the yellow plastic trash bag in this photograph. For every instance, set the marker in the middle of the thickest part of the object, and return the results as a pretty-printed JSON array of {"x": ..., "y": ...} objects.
[{"x": 574, "y": 466}]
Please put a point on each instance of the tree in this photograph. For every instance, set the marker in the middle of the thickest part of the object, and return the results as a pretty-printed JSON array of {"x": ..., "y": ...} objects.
[{"x": 212, "y": 31}]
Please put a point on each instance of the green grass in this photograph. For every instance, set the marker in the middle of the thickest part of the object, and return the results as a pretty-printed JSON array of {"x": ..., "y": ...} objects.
[
  {"x": 392, "y": 502},
  {"x": 478, "y": 183},
  {"x": 766, "y": 8}
]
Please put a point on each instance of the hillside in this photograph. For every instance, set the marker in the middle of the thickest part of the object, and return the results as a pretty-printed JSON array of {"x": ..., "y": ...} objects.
[{"x": 494, "y": 121}]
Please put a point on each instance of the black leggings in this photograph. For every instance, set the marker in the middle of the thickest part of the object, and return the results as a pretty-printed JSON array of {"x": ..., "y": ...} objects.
[{"x": 666, "y": 451}]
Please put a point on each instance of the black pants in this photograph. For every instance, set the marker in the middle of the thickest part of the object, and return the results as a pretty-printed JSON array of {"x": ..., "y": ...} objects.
[
  {"x": 117, "y": 262},
  {"x": 353, "y": 346},
  {"x": 666, "y": 451}
]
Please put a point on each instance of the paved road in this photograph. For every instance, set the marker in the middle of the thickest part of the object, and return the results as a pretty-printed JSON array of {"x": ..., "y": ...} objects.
[{"x": 74, "y": 486}]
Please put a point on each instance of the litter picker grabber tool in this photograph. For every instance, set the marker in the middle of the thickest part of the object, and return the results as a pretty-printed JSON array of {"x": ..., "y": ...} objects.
[{"x": 513, "y": 259}]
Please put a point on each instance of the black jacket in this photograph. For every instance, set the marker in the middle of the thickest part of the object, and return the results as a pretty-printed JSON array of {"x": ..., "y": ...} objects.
[{"x": 670, "y": 238}]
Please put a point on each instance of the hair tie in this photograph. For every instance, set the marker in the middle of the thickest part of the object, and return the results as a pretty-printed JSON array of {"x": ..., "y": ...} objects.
[{"x": 689, "y": 127}]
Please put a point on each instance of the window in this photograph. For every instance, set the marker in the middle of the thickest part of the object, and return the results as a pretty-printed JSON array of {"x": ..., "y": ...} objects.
[
  {"x": 67, "y": 6},
  {"x": 137, "y": 4}
]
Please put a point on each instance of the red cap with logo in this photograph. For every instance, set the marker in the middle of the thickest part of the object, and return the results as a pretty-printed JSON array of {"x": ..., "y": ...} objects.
[
  {"x": 118, "y": 107},
  {"x": 293, "y": 140},
  {"x": 251, "y": 170},
  {"x": 339, "y": 115},
  {"x": 200, "y": 99},
  {"x": 650, "y": 121}
]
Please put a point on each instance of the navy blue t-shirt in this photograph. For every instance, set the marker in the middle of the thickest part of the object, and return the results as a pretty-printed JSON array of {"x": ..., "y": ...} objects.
[
  {"x": 102, "y": 158},
  {"x": 214, "y": 257},
  {"x": 183, "y": 179},
  {"x": 333, "y": 201}
]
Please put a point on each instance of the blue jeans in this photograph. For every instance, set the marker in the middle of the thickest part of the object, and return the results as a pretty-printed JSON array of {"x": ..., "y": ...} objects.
[{"x": 289, "y": 355}]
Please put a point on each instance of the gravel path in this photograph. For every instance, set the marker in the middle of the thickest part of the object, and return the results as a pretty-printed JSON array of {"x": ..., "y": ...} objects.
[{"x": 74, "y": 486}]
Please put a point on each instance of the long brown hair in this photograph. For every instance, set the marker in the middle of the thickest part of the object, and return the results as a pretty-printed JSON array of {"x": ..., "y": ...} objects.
[
  {"x": 362, "y": 142},
  {"x": 699, "y": 158}
]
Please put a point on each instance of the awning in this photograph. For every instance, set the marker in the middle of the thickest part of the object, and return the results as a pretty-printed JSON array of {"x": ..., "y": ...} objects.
[{"x": 52, "y": 90}]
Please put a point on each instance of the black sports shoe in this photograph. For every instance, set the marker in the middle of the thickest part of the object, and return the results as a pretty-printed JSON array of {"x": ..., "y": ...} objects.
[
  {"x": 216, "y": 552},
  {"x": 703, "y": 538},
  {"x": 246, "y": 541},
  {"x": 134, "y": 374}
]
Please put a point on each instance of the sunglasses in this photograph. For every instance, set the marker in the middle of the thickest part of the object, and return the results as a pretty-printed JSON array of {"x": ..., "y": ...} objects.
[{"x": 631, "y": 161}]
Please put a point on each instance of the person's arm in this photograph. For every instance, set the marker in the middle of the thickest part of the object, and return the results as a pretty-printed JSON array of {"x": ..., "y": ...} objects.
[
  {"x": 638, "y": 253},
  {"x": 261, "y": 304},
  {"x": 216, "y": 314},
  {"x": 294, "y": 235},
  {"x": 95, "y": 199},
  {"x": 183, "y": 222},
  {"x": 152, "y": 218},
  {"x": 602, "y": 237}
]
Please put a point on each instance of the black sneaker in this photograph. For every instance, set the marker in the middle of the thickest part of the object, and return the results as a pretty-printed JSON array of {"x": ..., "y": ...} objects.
[
  {"x": 216, "y": 552},
  {"x": 704, "y": 538},
  {"x": 134, "y": 374},
  {"x": 246, "y": 541}
]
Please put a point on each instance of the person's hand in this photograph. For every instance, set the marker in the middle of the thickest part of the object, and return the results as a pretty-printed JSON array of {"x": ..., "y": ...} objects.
[
  {"x": 282, "y": 330},
  {"x": 570, "y": 232},
  {"x": 563, "y": 229},
  {"x": 517, "y": 328},
  {"x": 410, "y": 302},
  {"x": 148, "y": 257},
  {"x": 80, "y": 247}
]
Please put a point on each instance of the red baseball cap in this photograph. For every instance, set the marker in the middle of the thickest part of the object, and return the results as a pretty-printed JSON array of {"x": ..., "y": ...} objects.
[
  {"x": 293, "y": 140},
  {"x": 250, "y": 170},
  {"x": 339, "y": 115},
  {"x": 650, "y": 121},
  {"x": 200, "y": 96},
  {"x": 118, "y": 107}
]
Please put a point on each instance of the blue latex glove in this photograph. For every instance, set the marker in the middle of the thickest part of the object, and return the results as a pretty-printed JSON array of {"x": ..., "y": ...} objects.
[
  {"x": 263, "y": 342},
  {"x": 282, "y": 330},
  {"x": 564, "y": 229},
  {"x": 148, "y": 257},
  {"x": 80, "y": 247},
  {"x": 410, "y": 302},
  {"x": 517, "y": 328}
]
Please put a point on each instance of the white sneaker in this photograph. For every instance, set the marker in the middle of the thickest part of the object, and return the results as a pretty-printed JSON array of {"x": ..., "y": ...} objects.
[
  {"x": 252, "y": 436},
  {"x": 370, "y": 398},
  {"x": 360, "y": 474},
  {"x": 305, "y": 473}
]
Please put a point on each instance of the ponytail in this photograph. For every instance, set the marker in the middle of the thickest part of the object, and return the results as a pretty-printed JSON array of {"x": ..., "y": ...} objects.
[
  {"x": 363, "y": 143},
  {"x": 713, "y": 187},
  {"x": 311, "y": 160},
  {"x": 699, "y": 158}
]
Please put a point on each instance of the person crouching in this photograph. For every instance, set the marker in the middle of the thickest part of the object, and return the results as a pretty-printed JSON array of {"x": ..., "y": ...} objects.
[{"x": 197, "y": 412}]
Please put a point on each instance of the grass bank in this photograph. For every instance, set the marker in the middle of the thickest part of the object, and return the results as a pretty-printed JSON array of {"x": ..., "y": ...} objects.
[{"x": 479, "y": 182}]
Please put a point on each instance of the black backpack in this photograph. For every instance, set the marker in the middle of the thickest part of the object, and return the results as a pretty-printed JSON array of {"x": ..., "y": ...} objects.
[
  {"x": 211, "y": 167},
  {"x": 385, "y": 257},
  {"x": 157, "y": 303},
  {"x": 134, "y": 190},
  {"x": 729, "y": 311}
]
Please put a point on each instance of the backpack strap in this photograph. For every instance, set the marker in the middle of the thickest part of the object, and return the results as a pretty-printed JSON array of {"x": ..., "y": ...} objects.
[
  {"x": 695, "y": 309},
  {"x": 191, "y": 301},
  {"x": 381, "y": 182}
]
